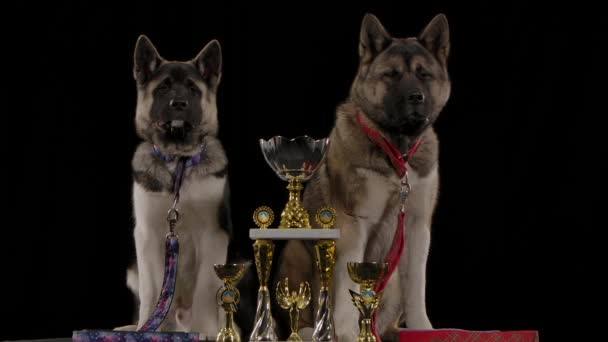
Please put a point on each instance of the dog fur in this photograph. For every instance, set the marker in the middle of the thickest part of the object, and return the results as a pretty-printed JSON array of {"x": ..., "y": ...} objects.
[
  {"x": 177, "y": 112},
  {"x": 401, "y": 87}
]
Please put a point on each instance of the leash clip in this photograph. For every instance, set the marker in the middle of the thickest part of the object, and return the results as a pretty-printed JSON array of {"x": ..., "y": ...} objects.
[
  {"x": 172, "y": 218},
  {"x": 173, "y": 213},
  {"x": 405, "y": 190}
]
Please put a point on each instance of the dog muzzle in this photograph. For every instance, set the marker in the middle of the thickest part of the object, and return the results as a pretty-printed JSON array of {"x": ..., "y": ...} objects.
[{"x": 177, "y": 129}]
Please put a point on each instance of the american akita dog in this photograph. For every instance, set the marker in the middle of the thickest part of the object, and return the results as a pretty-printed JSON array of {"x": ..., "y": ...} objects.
[
  {"x": 401, "y": 86},
  {"x": 176, "y": 116}
]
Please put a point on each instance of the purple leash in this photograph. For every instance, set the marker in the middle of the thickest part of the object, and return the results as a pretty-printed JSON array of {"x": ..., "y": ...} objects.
[
  {"x": 171, "y": 253},
  {"x": 148, "y": 331}
]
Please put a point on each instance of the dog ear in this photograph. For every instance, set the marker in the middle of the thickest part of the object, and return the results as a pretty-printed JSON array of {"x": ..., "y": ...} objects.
[
  {"x": 209, "y": 63},
  {"x": 436, "y": 38},
  {"x": 147, "y": 60},
  {"x": 373, "y": 38}
]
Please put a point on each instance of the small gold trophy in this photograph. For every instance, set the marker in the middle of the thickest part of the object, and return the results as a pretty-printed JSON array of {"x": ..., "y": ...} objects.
[
  {"x": 366, "y": 274},
  {"x": 263, "y": 329},
  {"x": 325, "y": 258},
  {"x": 294, "y": 161},
  {"x": 294, "y": 301},
  {"x": 228, "y": 297}
]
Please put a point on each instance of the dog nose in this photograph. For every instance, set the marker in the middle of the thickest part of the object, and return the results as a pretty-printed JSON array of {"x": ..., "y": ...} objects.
[
  {"x": 178, "y": 104},
  {"x": 415, "y": 98}
]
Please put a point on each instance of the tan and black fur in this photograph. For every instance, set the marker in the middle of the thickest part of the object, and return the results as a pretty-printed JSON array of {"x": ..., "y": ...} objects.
[
  {"x": 177, "y": 112},
  {"x": 400, "y": 89}
]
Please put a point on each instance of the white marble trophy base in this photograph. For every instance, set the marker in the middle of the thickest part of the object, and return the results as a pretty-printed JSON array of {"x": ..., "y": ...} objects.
[{"x": 294, "y": 234}]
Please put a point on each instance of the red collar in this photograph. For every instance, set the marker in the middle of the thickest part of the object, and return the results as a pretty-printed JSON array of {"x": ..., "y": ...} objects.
[{"x": 398, "y": 159}]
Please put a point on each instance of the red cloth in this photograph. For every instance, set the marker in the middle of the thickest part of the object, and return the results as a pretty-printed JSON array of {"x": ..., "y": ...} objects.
[{"x": 456, "y": 335}]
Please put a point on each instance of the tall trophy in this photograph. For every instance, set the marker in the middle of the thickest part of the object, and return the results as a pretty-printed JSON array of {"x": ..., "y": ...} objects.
[
  {"x": 325, "y": 258},
  {"x": 294, "y": 161},
  {"x": 228, "y": 297},
  {"x": 366, "y": 274},
  {"x": 263, "y": 250}
]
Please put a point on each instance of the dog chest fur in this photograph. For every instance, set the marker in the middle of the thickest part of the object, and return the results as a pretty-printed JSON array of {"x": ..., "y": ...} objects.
[{"x": 198, "y": 206}]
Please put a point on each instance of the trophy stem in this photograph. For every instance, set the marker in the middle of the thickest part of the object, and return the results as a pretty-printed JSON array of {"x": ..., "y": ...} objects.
[
  {"x": 365, "y": 334},
  {"x": 228, "y": 333},
  {"x": 324, "y": 325},
  {"x": 294, "y": 316},
  {"x": 294, "y": 215},
  {"x": 325, "y": 258},
  {"x": 264, "y": 324}
]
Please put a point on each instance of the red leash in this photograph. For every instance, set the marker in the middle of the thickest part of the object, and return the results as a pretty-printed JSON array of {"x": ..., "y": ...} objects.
[{"x": 399, "y": 164}]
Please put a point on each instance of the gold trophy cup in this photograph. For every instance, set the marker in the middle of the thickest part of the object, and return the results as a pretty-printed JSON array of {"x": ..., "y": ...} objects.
[
  {"x": 294, "y": 161},
  {"x": 366, "y": 274},
  {"x": 228, "y": 297},
  {"x": 294, "y": 302}
]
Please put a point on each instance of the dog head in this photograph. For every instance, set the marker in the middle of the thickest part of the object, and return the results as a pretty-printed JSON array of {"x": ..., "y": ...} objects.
[
  {"x": 402, "y": 83},
  {"x": 176, "y": 101}
]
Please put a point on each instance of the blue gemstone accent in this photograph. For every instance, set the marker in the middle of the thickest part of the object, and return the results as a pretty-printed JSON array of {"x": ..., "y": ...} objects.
[{"x": 367, "y": 293}]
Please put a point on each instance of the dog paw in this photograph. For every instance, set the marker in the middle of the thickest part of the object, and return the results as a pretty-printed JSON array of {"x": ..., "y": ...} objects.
[
  {"x": 206, "y": 337},
  {"x": 351, "y": 336},
  {"x": 392, "y": 335},
  {"x": 419, "y": 322},
  {"x": 183, "y": 319},
  {"x": 126, "y": 328},
  {"x": 306, "y": 333}
]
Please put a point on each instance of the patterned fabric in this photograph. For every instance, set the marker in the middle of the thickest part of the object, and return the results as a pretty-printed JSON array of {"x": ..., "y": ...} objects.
[
  {"x": 168, "y": 288},
  {"x": 147, "y": 332},
  {"x": 454, "y": 335},
  {"x": 133, "y": 336}
]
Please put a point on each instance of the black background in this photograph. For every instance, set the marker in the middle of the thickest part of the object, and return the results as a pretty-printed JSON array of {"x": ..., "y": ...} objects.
[{"x": 521, "y": 162}]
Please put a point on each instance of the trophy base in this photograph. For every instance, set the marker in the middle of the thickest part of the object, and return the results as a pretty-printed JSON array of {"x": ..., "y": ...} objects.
[
  {"x": 227, "y": 336},
  {"x": 294, "y": 234}
]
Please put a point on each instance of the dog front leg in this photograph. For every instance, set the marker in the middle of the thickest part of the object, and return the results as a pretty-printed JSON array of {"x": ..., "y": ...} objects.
[
  {"x": 150, "y": 254},
  {"x": 350, "y": 248},
  {"x": 205, "y": 311},
  {"x": 413, "y": 270},
  {"x": 413, "y": 263}
]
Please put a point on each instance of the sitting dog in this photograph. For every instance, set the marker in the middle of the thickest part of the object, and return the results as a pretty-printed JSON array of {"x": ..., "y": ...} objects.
[
  {"x": 401, "y": 86},
  {"x": 176, "y": 116}
]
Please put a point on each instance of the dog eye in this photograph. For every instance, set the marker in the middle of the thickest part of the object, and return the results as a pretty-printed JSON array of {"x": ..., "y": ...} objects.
[
  {"x": 423, "y": 73},
  {"x": 194, "y": 89},
  {"x": 392, "y": 74},
  {"x": 164, "y": 86}
]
